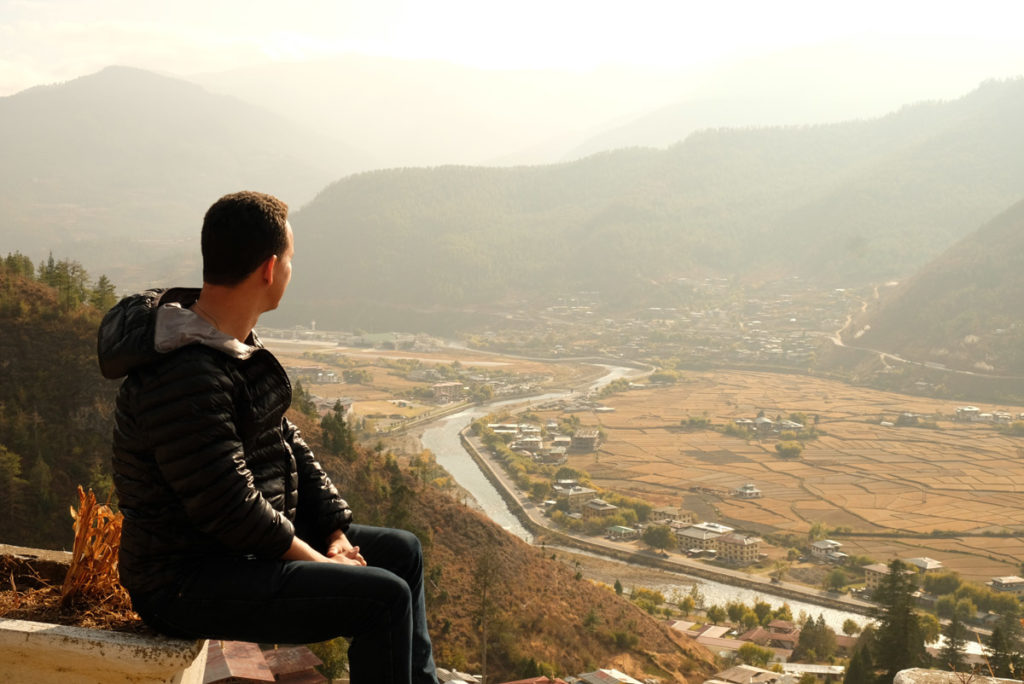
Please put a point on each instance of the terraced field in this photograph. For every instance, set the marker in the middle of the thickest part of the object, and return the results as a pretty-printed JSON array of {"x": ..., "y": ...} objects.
[{"x": 870, "y": 478}]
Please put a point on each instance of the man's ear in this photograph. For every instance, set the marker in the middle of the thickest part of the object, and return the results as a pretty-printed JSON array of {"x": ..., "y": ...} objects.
[{"x": 267, "y": 269}]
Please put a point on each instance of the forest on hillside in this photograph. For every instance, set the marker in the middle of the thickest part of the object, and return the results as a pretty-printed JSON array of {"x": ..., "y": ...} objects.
[{"x": 55, "y": 407}]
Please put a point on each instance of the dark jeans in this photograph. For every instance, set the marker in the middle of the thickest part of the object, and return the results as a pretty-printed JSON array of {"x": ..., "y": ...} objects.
[{"x": 380, "y": 607}]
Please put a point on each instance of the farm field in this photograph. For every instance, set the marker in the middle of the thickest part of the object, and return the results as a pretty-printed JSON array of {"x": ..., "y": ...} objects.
[
  {"x": 388, "y": 381},
  {"x": 957, "y": 477}
]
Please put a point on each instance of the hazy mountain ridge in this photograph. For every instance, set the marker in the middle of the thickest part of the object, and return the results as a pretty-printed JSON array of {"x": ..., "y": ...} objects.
[
  {"x": 122, "y": 158},
  {"x": 964, "y": 309},
  {"x": 845, "y": 204}
]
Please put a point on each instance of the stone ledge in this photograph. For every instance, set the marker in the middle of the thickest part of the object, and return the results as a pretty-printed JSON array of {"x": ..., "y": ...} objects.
[{"x": 44, "y": 653}]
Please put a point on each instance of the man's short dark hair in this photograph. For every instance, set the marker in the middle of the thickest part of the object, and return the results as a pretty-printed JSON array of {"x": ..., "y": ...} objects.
[{"x": 240, "y": 232}]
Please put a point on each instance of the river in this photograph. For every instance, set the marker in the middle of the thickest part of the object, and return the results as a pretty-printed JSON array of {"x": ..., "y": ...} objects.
[{"x": 442, "y": 438}]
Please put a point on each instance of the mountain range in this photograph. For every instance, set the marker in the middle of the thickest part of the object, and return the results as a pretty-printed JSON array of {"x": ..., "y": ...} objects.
[
  {"x": 843, "y": 205},
  {"x": 116, "y": 169}
]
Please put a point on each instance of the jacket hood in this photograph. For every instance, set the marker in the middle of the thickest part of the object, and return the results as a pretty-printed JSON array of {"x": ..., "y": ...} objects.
[{"x": 142, "y": 328}]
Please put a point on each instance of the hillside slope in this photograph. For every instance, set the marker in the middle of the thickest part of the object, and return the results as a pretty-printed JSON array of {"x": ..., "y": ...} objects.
[
  {"x": 964, "y": 309},
  {"x": 538, "y": 612}
]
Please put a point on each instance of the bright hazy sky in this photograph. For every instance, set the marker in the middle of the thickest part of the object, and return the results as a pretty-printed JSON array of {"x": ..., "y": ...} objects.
[{"x": 44, "y": 41}]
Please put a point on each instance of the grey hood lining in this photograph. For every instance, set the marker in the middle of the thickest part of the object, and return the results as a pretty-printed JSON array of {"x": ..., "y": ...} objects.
[{"x": 177, "y": 327}]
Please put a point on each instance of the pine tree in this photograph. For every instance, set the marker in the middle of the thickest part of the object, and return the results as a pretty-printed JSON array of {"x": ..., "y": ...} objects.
[
  {"x": 899, "y": 640},
  {"x": 952, "y": 655},
  {"x": 1007, "y": 647},
  {"x": 859, "y": 670}
]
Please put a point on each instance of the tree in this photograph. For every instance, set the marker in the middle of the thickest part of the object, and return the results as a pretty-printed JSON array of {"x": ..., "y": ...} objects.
[
  {"x": 659, "y": 537},
  {"x": 735, "y": 610},
  {"x": 337, "y": 436},
  {"x": 789, "y": 448},
  {"x": 952, "y": 654},
  {"x": 942, "y": 583},
  {"x": 850, "y": 627},
  {"x": 752, "y": 654},
  {"x": 12, "y": 490},
  {"x": 485, "y": 584},
  {"x": 302, "y": 400},
  {"x": 931, "y": 629},
  {"x": 763, "y": 611},
  {"x": 102, "y": 296},
  {"x": 859, "y": 670},
  {"x": 783, "y": 612},
  {"x": 716, "y": 614},
  {"x": 899, "y": 640},
  {"x": 618, "y": 587},
  {"x": 835, "y": 580},
  {"x": 817, "y": 641},
  {"x": 1006, "y": 647}
]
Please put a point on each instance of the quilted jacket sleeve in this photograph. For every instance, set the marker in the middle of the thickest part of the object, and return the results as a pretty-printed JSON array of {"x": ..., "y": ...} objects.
[
  {"x": 320, "y": 507},
  {"x": 187, "y": 409}
]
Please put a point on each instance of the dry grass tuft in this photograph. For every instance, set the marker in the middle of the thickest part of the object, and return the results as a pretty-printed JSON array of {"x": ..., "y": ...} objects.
[
  {"x": 90, "y": 595},
  {"x": 92, "y": 576}
]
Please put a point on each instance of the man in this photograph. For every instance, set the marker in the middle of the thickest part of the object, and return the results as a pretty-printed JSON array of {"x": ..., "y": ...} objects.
[{"x": 232, "y": 529}]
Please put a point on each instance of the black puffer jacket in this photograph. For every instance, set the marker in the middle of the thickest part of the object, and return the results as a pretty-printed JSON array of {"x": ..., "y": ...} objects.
[{"x": 204, "y": 461}]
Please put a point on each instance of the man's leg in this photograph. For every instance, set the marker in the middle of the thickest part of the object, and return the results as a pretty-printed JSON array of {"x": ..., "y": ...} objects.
[
  {"x": 297, "y": 602},
  {"x": 399, "y": 552}
]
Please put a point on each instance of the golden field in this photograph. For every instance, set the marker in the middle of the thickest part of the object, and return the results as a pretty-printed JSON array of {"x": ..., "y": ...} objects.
[{"x": 964, "y": 478}]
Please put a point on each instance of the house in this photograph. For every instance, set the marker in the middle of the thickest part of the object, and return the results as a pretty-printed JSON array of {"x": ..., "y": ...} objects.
[
  {"x": 824, "y": 549},
  {"x": 924, "y": 564},
  {"x": 697, "y": 538},
  {"x": 447, "y": 392},
  {"x": 739, "y": 549},
  {"x": 562, "y": 441},
  {"x": 586, "y": 439},
  {"x": 748, "y": 491},
  {"x": 554, "y": 456},
  {"x": 1009, "y": 584},
  {"x": 538, "y": 680},
  {"x": 782, "y": 627},
  {"x": 607, "y": 677},
  {"x": 747, "y": 674},
  {"x": 669, "y": 514},
  {"x": 714, "y": 527},
  {"x": 455, "y": 677},
  {"x": 620, "y": 532},
  {"x": 777, "y": 641},
  {"x": 827, "y": 673},
  {"x": 875, "y": 573},
  {"x": 574, "y": 495},
  {"x": 968, "y": 414},
  {"x": 598, "y": 508}
]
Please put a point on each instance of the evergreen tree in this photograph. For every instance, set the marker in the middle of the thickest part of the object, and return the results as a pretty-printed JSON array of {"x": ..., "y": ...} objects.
[
  {"x": 899, "y": 640},
  {"x": 337, "y": 435},
  {"x": 103, "y": 296},
  {"x": 302, "y": 400},
  {"x": 859, "y": 670},
  {"x": 1007, "y": 647},
  {"x": 952, "y": 655}
]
